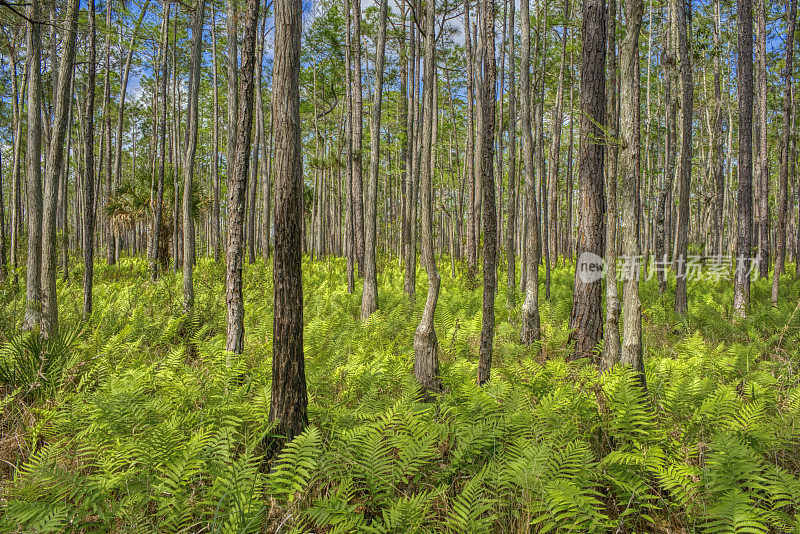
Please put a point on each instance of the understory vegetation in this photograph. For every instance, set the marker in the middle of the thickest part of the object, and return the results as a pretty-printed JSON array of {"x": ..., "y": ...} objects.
[{"x": 114, "y": 426}]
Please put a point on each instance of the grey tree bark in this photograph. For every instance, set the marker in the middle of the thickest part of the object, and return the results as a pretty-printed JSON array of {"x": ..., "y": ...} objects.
[
  {"x": 426, "y": 363},
  {"x": 33, "y": 172},
  {"x": 531, "y": 329},
  {"x": 188, "y": 162},
  {"x": 55, "y": 160},
  {"x": 511, "y": 220},
  {"x": 630, "y": 162},
  {"x": 783, "y": 178},
  {"x": 369, "y": 300}
]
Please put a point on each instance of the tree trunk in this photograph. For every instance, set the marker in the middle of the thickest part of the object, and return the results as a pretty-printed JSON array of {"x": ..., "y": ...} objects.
[
  {"x": 472, "y": 226},
  {"x": 369, "y": 301},
  {"x": 289, "y": 406},
  {"x": 531, "y": 329},
  {"x": 586, "y": 317},
  {"x": 55, "y": 160},
  {"x": 718, "y": 139},
  {"x": 426, "y": 363},
  {"x": 744, "y": 208},
  {"x": 188, "y": 164},
  {"x": 783, "y": 178},
  {"x": 215, "y": 209},
  {"x": 630, "y": 161},
  {"x": 88, "y": 176},
  {"x": 762, "y": 161},
  {"x": 611, "y": 344},
  {"x": 488, "y": 81},
  {"x": 511, "y": 220},
  {"x": 685, "y": 169},
  {"x": 33, "y": 152},
  {"x": 358, "y": 135},
  {"x": 237, "y": 185},
  {"x": 158, "y": 207}
]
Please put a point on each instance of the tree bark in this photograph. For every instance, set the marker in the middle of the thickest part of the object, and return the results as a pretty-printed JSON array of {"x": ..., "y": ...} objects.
[
  {"x": 33, "y": 172},
  {"x": 155, "y": 232},
  {"x": 762, "y": 161},
  {"x": 369, "y": 300},
  {"x": 685, "y": 169},
  {"x": 55, "y": 160},
  {"x": 531, "y": 329},
  {"x": 744, "y": 208},
  {"x": 783, "y": 178},
  {"x": 289, "y": 406},
  {"x": 511, "y": 220},
  {"x": 488, "y": 81},
  {"x": 630, "y": 162},
  {"x": 88, "y": 176},
  {"x": 426, "y": 363},
  {"x": 237, "y": 186},
  {"x": 586, "y": 317},
  {"x": 188, "y": 164}
]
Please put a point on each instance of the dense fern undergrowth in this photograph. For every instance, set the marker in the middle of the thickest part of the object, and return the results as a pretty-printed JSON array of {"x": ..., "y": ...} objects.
[{"x": 116, "y": 427}]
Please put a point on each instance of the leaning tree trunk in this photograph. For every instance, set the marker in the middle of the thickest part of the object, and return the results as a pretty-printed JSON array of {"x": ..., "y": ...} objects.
[
  {"x": 55, "y": 160},
  {"x": 783, "y": 178},
  {"x": 531, "y": 329},
  {"x": 289, "y": 406},
  {"x": 586, "y": 318},
  {"x": 486, "y": 148},
  {"x": 744, "y": 208},
  {"x": 630, "y": 162},
  {"x": 369, "y": 300},
  {"x": 237, "y": 185},
  {"x": 426, "y": 363},
  {"x": 188, "y": 163},
  {"x": 33, "y": 172},
  {"x": 685, "y": 168}
]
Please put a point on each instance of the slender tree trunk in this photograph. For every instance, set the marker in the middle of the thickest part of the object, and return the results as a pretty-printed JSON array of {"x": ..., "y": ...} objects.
[
  {"x": 358, "y": 136},
  {"x": 531, "y": 329},
  {"x": 611, "y": 344},
  {"x": 33, "y": 152},
  {"x": 55, "y": 160},
  {"x": 783, "y": 178},
  {"x": 511, "y": 220},
  {"x": 188, "y": 165},
  {"x": 718, "y": 139},
  {"x": 685, "y": 169},
  {"x": 472, "y": 194},
  {"x": 744, "y": 208},
  {"x": 215, "y": 209},
  {"x": 16, "y": 185},
  {"x": 586, "y": 316},
  {"x": 412, "y": 175},
  {"x": 426, "y": 363},
  {"x": 237, "y": 185},
  {"x": 488, "y": 81},
  {"x": 630, "y": 161},
  {"x": 88, "y": 176},
  {"x": 158, "y": 207},
  {"x": 289, "y": 406},
  {"x": 762, "y": 160},
  {"x": 369, "y": 301},
  {"x": 232, "y": 66}
]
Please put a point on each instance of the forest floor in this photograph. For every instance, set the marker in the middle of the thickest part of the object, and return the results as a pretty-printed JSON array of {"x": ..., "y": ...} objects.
[{"x": 113, "y": 427}]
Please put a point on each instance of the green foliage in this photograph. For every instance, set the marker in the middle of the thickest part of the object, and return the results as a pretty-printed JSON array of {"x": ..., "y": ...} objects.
[{"x": 118, "y": 428}]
